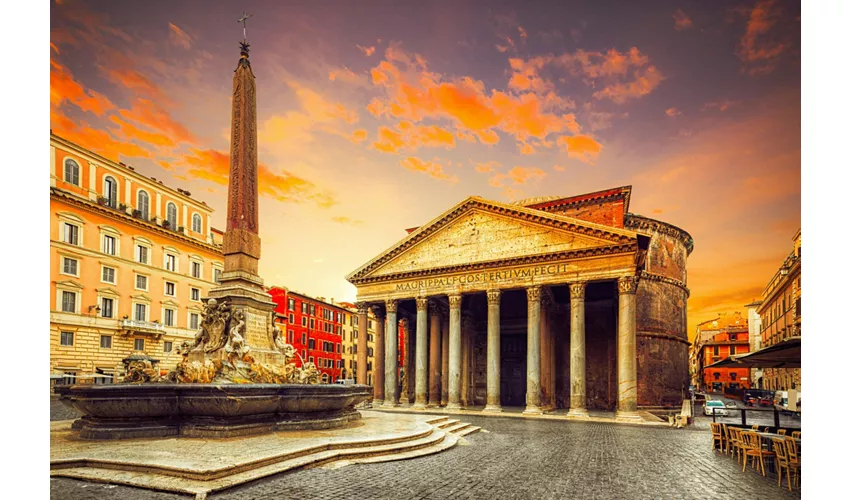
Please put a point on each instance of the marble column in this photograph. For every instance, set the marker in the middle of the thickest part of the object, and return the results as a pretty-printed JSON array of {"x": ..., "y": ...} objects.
[
  {"x": 407, "y": 388},
  {"x": 546, "y": 396},
  {"x": 378, "y": 364},
  {"x": 391, "y": 356},
  {"x": 465, "y": 356},
  {"x": 454, "y": 352},
  {"x": 421, "y": 353},
  {"x": 444, "y": 358},
  {"x": 434, "y": 358},
  {"x": 626, "y": 349},
  {"x": 578, "y": 369},
  {"x": 362, "y": 338},
  {"x": 532, "y": 386},
  {"x": 494, "y": 352}
]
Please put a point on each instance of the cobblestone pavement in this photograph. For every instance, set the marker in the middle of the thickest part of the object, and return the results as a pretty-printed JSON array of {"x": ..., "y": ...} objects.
[{"x": 516, "y": 459}]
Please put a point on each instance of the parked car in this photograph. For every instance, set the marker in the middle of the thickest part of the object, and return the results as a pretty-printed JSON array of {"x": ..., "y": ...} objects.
[
  {"x": 731, "y": 404},
  {"x": 715, "y": 407},
  {"x": 765, "y": 401}
]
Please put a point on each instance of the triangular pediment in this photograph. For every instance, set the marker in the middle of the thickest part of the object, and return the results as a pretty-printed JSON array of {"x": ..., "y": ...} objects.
[{"x": 484, "y": 231}]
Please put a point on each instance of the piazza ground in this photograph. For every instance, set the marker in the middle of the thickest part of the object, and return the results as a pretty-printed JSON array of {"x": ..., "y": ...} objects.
[{"x": 516, "y": 458}]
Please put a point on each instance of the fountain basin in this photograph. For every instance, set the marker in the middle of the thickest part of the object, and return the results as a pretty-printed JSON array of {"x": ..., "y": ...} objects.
[{"x": 124, "y": 411}]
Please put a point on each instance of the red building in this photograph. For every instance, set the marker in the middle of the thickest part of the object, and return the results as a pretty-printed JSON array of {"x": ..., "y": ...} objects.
[
  {"x": 317, "y": 331},
  {"x": 717, "y": 340}
]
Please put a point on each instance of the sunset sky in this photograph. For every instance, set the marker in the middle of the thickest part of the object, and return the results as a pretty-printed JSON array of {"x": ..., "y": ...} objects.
[{"x": 376, "y": 116}]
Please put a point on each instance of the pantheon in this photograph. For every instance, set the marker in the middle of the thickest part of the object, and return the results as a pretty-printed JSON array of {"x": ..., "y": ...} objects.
[{"x": 547, "y": 303}]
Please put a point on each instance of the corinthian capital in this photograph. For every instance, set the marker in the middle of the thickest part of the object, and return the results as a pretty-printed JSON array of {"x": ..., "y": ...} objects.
[
  {"x": 627, "y": 284},
  {"x": 433, "y": 309},
  {"x": 577, "y": 290},
  {"x": 493, "y": 296},
  {"x": 533, "y": 293},
  {"x": 392, "y": 305},
  {"x": 422, "y": 304},
  {"x": 378, "y": 311},
  {"x": 454, "y": 301},
  {"x": 362, "y": 308}
]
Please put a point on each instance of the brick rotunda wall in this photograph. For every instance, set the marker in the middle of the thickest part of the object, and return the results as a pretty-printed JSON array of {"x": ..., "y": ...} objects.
[{"x": 662, "y": 304}]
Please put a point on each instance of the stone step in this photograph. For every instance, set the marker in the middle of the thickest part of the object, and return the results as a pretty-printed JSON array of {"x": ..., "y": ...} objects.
[
  {"x": 449, "y": 441},
  {"x": 432, "y": 442},
  {"x": 436, "y": 420},
  {"x": 470, "y": 429},
  {"x": 448, "y": 423},
  {"x": 454, "y": 428}
]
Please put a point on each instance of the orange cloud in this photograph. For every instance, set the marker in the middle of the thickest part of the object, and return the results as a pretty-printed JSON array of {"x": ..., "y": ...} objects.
[
  {"x": 214, "y": 166},
  {"x": 671, "y": 112},
  {"x": 63, "y": 88},
  {"x": 137, "y": 83},
  {"x": 487, "y": 167},
  {"x": 146, "y": 113},
  {"x": 359, "y": 135},
  {"x": 435, "y": 170},
  {"x": 179, "y": 37},
  {"x": 98, "y": 141},
  {"x": 758, "y": 50},
  {"x": 581, "y": 147},
  {"x": 645, "y": 82},
  {"x": 682, "y": 21},
  {"x": 721, "y": 105},
  {"x": 411, "y": 137},
  {"x": 132, "y": 132},
  {"x": 367, "y": 50},
  {"x": 558, "y": 168}
]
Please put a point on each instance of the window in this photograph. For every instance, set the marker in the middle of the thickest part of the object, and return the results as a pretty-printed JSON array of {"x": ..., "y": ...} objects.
[
  {"x": 196, "y": 223},
  {"x": 312, "y": 344},
  {"x": 107, "y": 275},
  {"x": 106, "y": 341},
  {"x": 69, "y": 302},
  {"x": 716, "y": 350},
  {"x": 733, "y": 376},
  {"x": 69, "y": 266},
  {"x": 733, "y": 336},
  {"x": 104, "y": 377},
  {"x": 169, "y": 317},
  {"x": 140, "y": 312},
  {"x": 196, "y": 269},
  {"x": 71, "y": 234},
  {"x": 312, "y": 323},
  {"x": 370, "y": 353},
  {"x": 169, "y": 288},
  {"x": 66, "y": 338},
  {"x": 72, "y": 172},
  {"x": 303, "y": 338},
  {"x": 171, "y": 215},
  {"x": 108, "y": 244},
  {"x": 170, "y": 262},
  {"x": 106, "y": 307},
  {"x": 731, "y": 350},
  {"x": 139, "y": 344},
  {"x": 291, "y": 318},
  {"x": 110, "y": 191},
  {"x": 193, "y": 321},
  {"x": 303, "y": 321},
  {"x": 195, "y": 294},
  {"x": 217, "y": 275},
  {"x": 141, "y": 282},
  {"x": 291, "y": 304},
  {"x": 143, "y": 204},
  {"x": 142, "y": 254},
  {"x": 716, "y": 376},
  {"x": 311, "y": 359},
  {"x": 290, "y": 337},
  {"x": 167, "y": 346}
]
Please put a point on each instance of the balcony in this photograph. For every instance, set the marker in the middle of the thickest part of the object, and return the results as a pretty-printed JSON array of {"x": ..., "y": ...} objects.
[{"x": 132, "y": 326}]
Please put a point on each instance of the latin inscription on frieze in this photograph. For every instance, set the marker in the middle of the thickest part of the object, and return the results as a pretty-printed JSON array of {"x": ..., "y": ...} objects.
[
  {"x": 482, "y": 278},
  {"x": 256, "y": 330}
]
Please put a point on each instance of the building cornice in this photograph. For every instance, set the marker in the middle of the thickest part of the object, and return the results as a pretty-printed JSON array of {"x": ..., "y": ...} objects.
[
  {"x": 640, "y": 223},
  {"x": 125, "y": 170},
  {"x": 644, "y": 275},
  {"x": 122, "y": 217}
]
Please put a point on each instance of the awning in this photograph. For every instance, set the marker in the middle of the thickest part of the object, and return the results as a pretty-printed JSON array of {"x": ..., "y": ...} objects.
[{"x": 785, "y": 354}]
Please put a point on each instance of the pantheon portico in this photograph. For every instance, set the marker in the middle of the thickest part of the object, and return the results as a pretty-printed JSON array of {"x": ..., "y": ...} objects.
[{"x": 560, "y": 302}]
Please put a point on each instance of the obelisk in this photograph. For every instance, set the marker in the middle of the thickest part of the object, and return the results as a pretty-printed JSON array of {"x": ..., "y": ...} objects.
[{"x": 240, "y": 283}]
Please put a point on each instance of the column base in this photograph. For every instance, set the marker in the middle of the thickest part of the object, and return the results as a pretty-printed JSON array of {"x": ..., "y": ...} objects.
[
  {"x": 454, "y": 406},
  {"x": 493, "y": 409},
  {"x": 377, "y": 402},
  {"x": 420, "y": 406},
  {"x": 390, "y": 404},
  {"x": 532, "y": 410},
  {"x": 628, "y": 416},
  {"x": 578, "y": 412}
]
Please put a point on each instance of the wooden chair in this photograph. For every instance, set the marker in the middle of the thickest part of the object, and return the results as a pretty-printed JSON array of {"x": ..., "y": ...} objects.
[
  {"x": 782, "y": 461},
  {"x": 793, "y": 457},
  {"x": 716, "y": 436},
  {"x": 755, "y": 427},
  {"x": 781, "y": 432},
  {"x": 796, "y": 434},
  {"x": 724, "y": 429},
  {"x": 736, "y": 447},
  {"x": 753, "y": 448}
]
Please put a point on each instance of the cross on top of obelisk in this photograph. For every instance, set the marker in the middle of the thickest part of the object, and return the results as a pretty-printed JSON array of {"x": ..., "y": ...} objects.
[{"x": 244, "y": 20}]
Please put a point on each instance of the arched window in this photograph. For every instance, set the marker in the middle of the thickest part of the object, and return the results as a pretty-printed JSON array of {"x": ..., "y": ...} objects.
[
  {"x": 72, "y": 172},
  {"x": 171, "y": 214},
  {"x": 110, "y": 191},
  {"x": 196, "y": 223},
  {"x": 143, "y": 204}
]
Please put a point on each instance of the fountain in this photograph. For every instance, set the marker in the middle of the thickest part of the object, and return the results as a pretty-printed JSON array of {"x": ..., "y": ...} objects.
[{"x": 238, "y": 376}]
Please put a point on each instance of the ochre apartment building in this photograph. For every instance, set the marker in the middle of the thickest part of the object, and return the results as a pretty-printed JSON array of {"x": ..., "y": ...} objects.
[
  {"x": 715, "y": 341},
  {"x": 130, "y": 260}
]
